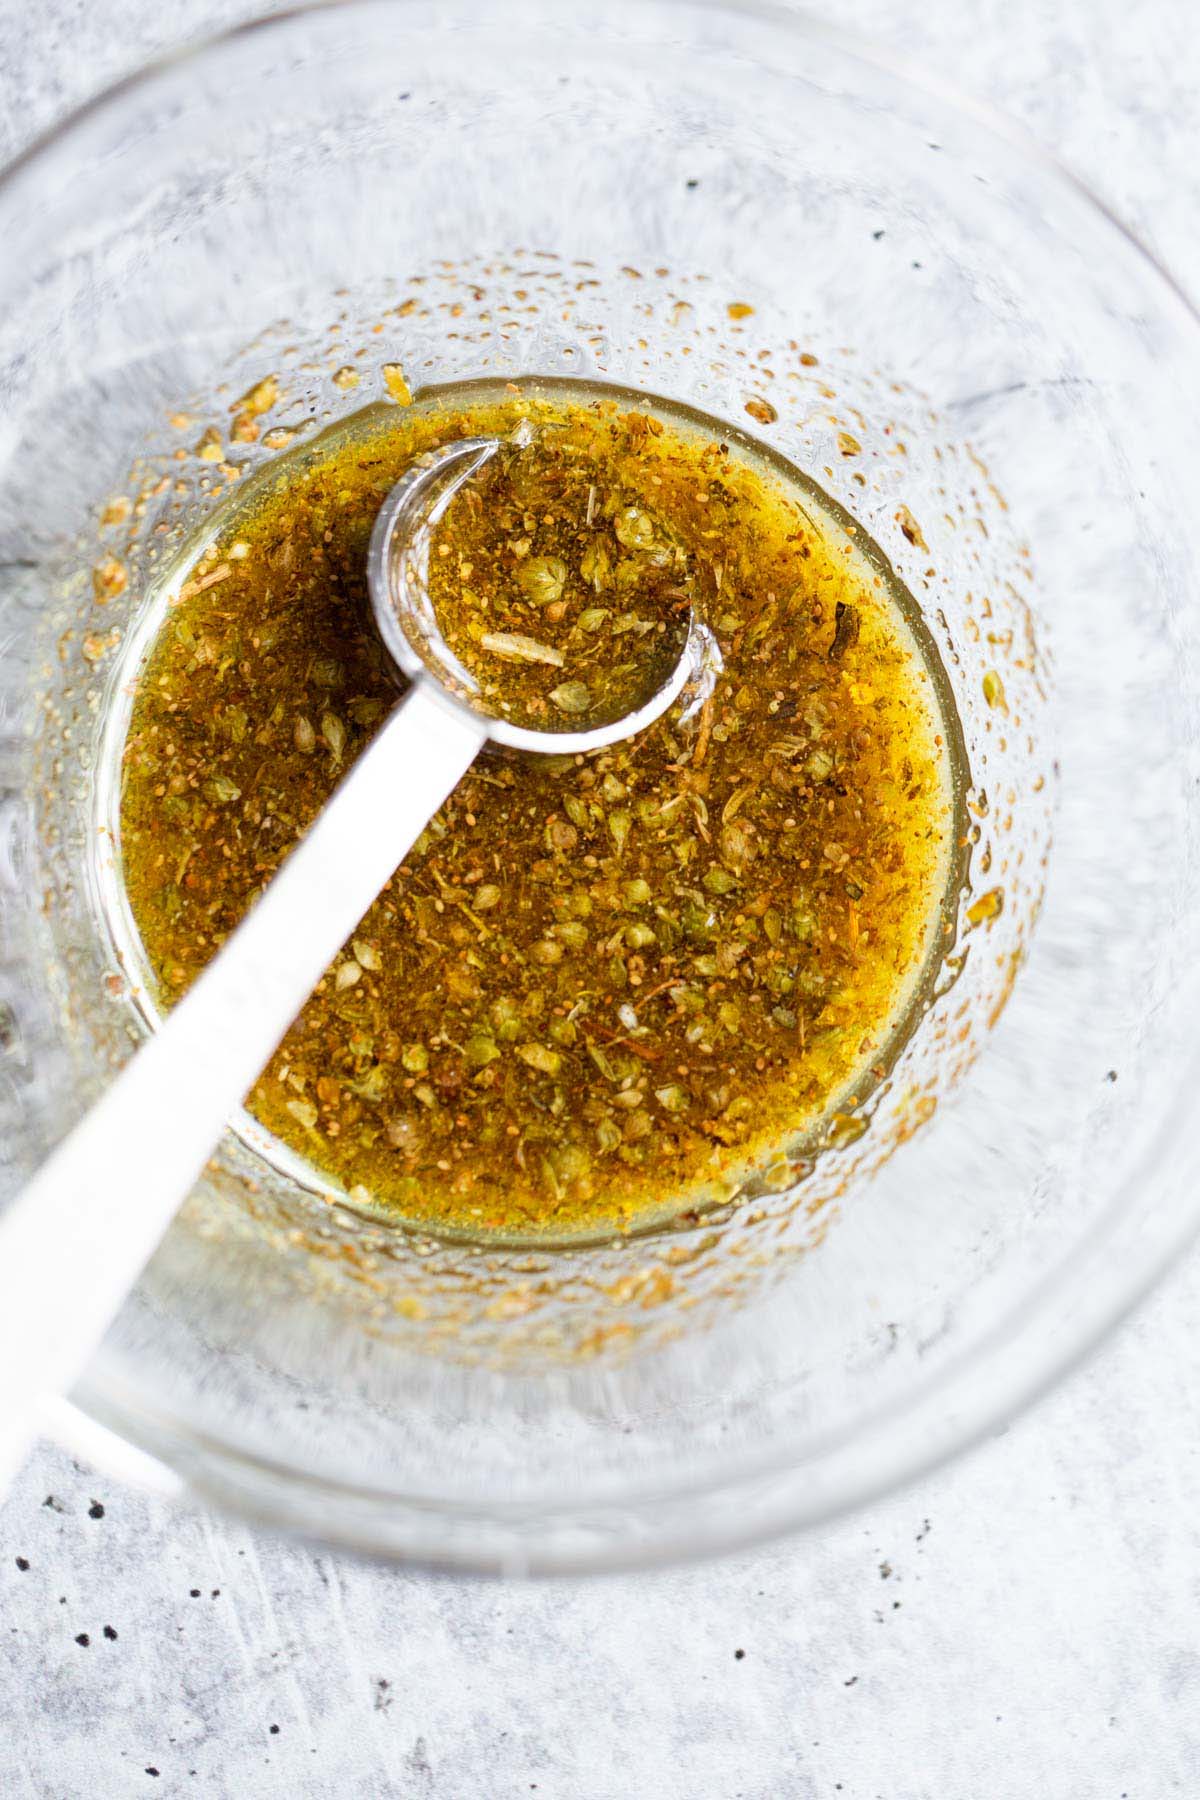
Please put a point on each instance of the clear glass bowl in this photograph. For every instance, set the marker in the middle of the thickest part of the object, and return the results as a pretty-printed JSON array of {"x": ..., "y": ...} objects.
[{"x": 953, "y": 340}]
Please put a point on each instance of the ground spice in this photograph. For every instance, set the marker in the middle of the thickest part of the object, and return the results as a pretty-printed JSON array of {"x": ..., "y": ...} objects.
[{"x": 598, "y": 988}]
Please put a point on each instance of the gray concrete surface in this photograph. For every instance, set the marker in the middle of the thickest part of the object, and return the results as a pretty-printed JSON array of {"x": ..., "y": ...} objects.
[{"x": 1023, "y": 1626}]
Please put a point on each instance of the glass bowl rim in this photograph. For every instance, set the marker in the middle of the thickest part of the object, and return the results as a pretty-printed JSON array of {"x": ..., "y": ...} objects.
[{"x": 1018, "y": 1360}]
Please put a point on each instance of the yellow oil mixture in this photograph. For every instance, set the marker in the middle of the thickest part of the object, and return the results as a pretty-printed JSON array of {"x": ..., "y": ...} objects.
[{"x": 599, "y": 991}]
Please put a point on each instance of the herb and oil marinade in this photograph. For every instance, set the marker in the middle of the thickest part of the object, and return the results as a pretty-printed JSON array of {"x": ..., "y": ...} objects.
[{"x": 599, "y": 991}]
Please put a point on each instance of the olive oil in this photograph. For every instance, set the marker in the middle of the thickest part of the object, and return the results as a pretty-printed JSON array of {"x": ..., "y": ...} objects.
[{"x": 600, "y": 991}]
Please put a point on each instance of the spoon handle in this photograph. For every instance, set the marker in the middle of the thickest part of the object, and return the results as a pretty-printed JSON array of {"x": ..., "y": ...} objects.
[{"x": 73, "y": 1243}]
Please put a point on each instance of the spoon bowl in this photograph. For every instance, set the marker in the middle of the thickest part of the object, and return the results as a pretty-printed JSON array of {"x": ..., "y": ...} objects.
[{"x": 397, "y": 574}]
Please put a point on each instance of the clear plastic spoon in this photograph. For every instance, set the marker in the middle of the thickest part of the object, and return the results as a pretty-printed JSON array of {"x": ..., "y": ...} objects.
[{"x": 74, "y": 1242}]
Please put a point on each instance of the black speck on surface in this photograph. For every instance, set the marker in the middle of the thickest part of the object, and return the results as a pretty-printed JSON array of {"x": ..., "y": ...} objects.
[
  {"x": 194, "y": 1593},
  {"x": 916, "y": 265},
  {"x": 738, "y": 1655},
  {"x": 274, "y": 1730},
  {"x": 150, "y": 1769},
  {"x": 216, "y": 1593},
  {"x": 1111, "y": 1076},
  {"x": 877, "y": 234},
  {"x": 850, "y": 1682},
  {"x": 83, "y": 1639},
  {"x": 22, "y": 1563},
  {"x": 95, "y": 1510},
  {"x": 693, "y": 183},
  {"x": 110, "y": 1634},
  {"x": 54, "y": 1505}
]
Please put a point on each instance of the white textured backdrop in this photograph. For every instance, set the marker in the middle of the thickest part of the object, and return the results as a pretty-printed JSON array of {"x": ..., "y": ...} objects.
[{"x": 1024, "y": 1626}]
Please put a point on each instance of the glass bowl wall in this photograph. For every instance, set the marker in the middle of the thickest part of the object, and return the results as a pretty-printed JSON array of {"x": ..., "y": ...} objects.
[{"x": 959, "y": 346}]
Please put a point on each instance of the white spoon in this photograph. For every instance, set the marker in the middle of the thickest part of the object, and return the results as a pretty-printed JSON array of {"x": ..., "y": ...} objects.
[{"x": 74, "y": 1242}]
